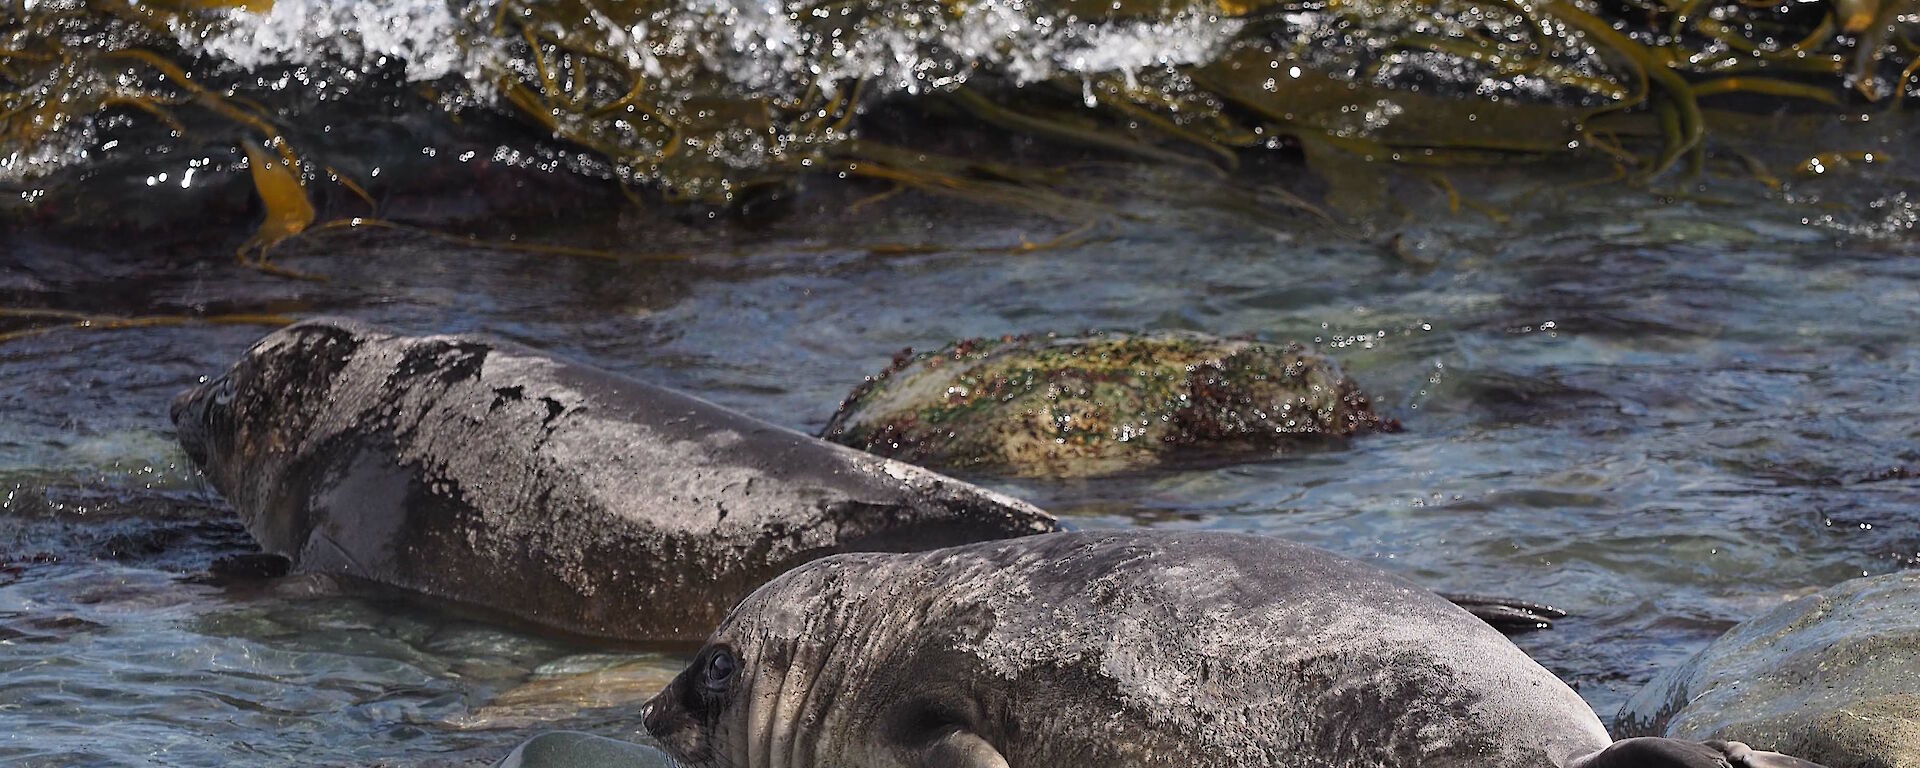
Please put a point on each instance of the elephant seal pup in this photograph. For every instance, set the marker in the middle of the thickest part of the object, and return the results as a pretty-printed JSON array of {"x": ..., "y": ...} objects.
[
  {"x": 1101, "y": 650},
  {"x": 491, "y": 475}
]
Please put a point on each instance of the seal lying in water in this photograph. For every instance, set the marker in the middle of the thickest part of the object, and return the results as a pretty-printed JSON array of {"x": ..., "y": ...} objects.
[
  {"x": 489, "y": 474},
  {"x": 1100, "y": 650}
]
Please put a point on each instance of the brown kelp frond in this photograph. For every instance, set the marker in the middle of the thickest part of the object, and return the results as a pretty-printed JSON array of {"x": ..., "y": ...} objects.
[
  {"x": 470, "y": 241},
  {"x": 1070, "y": 133},
  {"x": 276, "y": 176},
  {"x": 77, "y": 64},
  {"x": 44, "y": 321},
  {"x": 702, "y": 102},
  {"x": 1084, "y": 234},
  {"x": 1017, "y": 188}
]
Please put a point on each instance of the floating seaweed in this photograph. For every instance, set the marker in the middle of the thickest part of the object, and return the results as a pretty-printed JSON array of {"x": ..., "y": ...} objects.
[{"x": 44, "y": 321}]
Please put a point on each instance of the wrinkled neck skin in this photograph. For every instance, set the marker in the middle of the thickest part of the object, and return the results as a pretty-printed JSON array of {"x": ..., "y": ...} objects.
[
  {"x": 839, "y": 682},
  {"x": 797, "y": 713},
  {"x": 819, "y": 697}
]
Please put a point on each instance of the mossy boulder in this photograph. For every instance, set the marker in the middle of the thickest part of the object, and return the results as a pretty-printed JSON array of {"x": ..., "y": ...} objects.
[
  {"x": 1100, "y": 403},
  {"x": 1833, "y": 677}
]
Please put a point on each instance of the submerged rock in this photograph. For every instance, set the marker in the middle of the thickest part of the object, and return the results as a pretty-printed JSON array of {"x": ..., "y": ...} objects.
[
  {"x": 1833, "y": 677},
  {"x": 559, "y": 694},
  {"x": 1100, "y": 403},
  {"x": 572, "y": 749}
]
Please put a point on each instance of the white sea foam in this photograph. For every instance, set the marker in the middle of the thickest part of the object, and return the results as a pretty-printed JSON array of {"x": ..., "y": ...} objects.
[
  {"x": 1008, "y": 38},
  {"x": 766, "y": 47},
  {"x": 432, "y": 38}
]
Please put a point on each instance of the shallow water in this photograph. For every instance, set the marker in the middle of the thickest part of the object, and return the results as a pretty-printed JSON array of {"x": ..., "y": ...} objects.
[
  {"x": 1663, "y": 423},
  {"x": 1664, "y": 407}
]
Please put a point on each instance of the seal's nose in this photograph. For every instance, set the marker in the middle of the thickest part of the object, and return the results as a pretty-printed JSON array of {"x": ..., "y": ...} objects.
[
  {"x": 655, "y": 716},
  {"x": 181, "y": 402},
  {"x": 189, "y": 413}
]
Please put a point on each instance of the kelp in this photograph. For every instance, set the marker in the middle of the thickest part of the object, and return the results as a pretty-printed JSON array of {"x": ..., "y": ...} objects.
[
  {"x": 64, "y": 63},
  {"x": 1202, "y": 115},
  {"x": 701, "y": 102},
  {"x": 39, "y": 322}
]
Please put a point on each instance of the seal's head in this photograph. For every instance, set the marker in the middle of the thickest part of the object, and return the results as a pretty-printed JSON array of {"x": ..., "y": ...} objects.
[
  {"x": 244, "y": 428},
  {"x": 815, "y": 666}
]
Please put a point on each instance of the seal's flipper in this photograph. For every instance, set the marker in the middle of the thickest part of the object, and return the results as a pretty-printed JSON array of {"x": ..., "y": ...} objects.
[
  {"x": 1655, "y": 752},
  {"x": 1740, "y": 754},
  {"x": 960, "y": 748},
  {"x": 1510, "y": 616}
]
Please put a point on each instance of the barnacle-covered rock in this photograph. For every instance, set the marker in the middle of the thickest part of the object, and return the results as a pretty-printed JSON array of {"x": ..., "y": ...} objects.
[{"x": 1100, "y": 403}]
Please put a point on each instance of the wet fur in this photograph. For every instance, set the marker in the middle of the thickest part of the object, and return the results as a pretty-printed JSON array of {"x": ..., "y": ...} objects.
[{"x": 1134, "y": 649}]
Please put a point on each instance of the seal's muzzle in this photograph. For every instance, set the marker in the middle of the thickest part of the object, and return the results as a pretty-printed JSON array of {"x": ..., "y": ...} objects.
[{"x": 192, "y": 412}]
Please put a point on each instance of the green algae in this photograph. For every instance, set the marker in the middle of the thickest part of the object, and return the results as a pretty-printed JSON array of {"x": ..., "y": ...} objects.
[{"x": 1101, "y": 403}]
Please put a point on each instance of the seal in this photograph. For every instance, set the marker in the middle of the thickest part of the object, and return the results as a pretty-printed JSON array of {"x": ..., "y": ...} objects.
[
  {"x": 1138, "y": 649},
  {"x": 485, "y": 473}
]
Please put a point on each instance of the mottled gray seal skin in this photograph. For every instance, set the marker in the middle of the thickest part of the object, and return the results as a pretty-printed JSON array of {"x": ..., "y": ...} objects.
[
  {"x": 1139, "y": 649},
  {"x": 489, "y": 474}
]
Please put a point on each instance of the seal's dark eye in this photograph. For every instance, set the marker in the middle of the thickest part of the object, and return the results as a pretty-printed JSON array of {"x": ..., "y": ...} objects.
[
  {"x": 719, "y": 673},
  {"x": 223, "y": 392}
]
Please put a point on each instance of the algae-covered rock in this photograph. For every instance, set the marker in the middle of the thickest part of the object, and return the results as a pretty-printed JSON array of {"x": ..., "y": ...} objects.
[
  {"x": 1833, "y": 677},
  {"x": 1099, "y": 403}
]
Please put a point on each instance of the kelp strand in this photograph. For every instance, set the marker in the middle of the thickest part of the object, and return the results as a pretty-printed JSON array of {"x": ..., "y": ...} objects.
[{"x": 66, "y": 320}]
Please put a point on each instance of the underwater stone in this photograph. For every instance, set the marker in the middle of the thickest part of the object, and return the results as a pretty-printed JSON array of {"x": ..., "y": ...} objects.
[
  {"x": 1833, "y": 677},
  {"x": 1100, "y": 403}
]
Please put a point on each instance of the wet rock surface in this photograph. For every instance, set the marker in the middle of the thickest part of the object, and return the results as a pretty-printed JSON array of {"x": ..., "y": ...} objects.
[
  {"x": 1833, "y": 677},
  {"x": 1101, "y": 403},
  {"x": 493, "y": 476}
]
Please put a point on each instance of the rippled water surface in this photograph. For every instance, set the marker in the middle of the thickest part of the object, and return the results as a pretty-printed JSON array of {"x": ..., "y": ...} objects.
[
  {"x": 1660, "y": 414},
  {"x": 1663, "y": 405}
]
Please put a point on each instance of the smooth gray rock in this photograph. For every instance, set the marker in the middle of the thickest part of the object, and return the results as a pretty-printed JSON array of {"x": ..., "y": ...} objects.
[
  {"x": 1132, "y": 649},
  {"x": 1833, "y": 677},
  {"x": 489, "y": 474},
  {"x": 571, "y": 749}
]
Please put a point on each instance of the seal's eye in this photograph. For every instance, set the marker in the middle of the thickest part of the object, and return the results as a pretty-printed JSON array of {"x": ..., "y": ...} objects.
[
  {"x": 223, "y": 392},
  {"x": 719, "y": 673}
]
